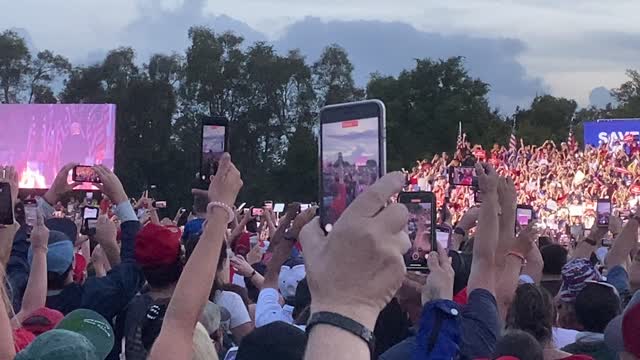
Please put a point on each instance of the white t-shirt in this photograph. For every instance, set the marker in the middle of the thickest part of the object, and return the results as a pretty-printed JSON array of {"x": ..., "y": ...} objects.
[
  {"x": 234, "y": 304},
  {"x": 563, "y": 337}
]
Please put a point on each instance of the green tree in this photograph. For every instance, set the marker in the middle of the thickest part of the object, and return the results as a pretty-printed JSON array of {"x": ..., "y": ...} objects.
[
  {"x": 628, "y": 96},
  {"x": 549, "y": 118},
  {"x": 333, "y": 77},
  {"x": 14, "y": 66},
  {"x": 44, "y": 69}
]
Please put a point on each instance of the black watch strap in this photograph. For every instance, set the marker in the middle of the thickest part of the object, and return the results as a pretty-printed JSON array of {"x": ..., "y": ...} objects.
[{"x": 344, "y": 323}]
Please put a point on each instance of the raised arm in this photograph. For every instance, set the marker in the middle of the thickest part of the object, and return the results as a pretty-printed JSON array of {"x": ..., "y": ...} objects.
[
  {"x": 483, "y": 269},
  {"x": 7, "y": 233},
  {"x": 35, "y": 295},
  {"x": 192, "y": 290},
  {"x": 624, "y": 244},
  {"x": 7, "y": 349},
  {"x": 106, "y": 233}
]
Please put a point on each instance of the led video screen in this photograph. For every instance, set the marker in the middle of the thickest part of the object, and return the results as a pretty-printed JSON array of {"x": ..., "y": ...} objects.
[{"x": 39, "y": 139}]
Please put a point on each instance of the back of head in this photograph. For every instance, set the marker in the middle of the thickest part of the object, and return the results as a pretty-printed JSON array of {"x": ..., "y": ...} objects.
[
  {"x": 596, "y": 305},
  {"x": 275, "y": 341},
  {"x": 532, "y": 310},
  {"x": 519, "y": 344},
  {"x": 200, "y": 203},
  {"x": 554, "y": 257},
  {"x": 158, "y": 252},
  {"x": 203, "y": 348}
]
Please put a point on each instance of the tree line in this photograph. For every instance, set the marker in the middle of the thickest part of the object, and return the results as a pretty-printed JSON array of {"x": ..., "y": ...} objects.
[{"x": 272, "y": 100}]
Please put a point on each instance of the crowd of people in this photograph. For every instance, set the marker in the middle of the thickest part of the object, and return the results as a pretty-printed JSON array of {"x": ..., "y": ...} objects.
[
  {"x": 222, "y": 284},
  {"x": 561, "y": 183}
]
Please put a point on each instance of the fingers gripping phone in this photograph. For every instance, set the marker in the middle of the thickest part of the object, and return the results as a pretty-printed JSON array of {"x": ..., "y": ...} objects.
[
  {"x": 214, "y": 142},
  {"x": 85, "y": 173},
  {"x": 603, "y": 211},
  {"x": 352, "y": 155},
  {"x": 6, "y": 204},
  {"x": 524, "y": 215},
  {"x": 421, "y": 227},
  {"x": 30, "y": 212}
]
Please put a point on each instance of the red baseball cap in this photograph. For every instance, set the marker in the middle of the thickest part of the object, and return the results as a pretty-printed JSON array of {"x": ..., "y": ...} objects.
[
  {"x": 157, "y": 245},
  {"x": 41, "y": 320}
]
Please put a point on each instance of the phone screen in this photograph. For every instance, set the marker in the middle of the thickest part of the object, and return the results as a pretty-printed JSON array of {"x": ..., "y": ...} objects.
[
  {"x": 90, "y": 213},
  {"x": 160, "y": 204},
  {"x": 442, "y": 237},
  {"x": 523, "y": 216},
  {"x": 6, "y": 205},
  {"x": 256, "y": 212},
  {"x": 268, "y": 205},
  {"x": 350, "y": 164},
  {"x": 213, "y": 140},
  {"x": 463, "y": 176},
  {"x": 31, "y": 212},
  {"x": 83, "y": 173},
  {"x": 279, "y": 207},
  {"x": 603, "y": 211},
  {"x": 420, "y": 229}
]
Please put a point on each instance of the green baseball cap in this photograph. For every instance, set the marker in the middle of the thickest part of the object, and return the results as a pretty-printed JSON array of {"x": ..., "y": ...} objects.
[{"x": 82, "y": 335}]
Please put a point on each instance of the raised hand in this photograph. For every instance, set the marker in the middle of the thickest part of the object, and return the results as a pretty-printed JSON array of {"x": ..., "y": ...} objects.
[
  {"x": 9, "y": 175},
  {"x": 106, "y": 230},
  {"x": 111, "y": 185},
  {"x": 226, "y": 183},
  {"x": 439, "y": 283},
  {"x": 357, "y": 268},
  {"x": 40, "y": 233},
  {"x": 241, "y": 265},
  {"x": 60, "y": 186},
  {"x": 487, "y": 179}
]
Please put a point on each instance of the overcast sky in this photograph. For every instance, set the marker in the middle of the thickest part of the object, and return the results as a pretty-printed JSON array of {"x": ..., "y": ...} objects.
[{"x": 521, "y": 47}]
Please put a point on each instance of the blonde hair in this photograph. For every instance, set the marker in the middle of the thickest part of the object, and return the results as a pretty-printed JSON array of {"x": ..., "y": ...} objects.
[{"x": 203, "y": 348}]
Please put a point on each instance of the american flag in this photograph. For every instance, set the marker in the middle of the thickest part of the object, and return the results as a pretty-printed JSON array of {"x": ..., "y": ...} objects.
[
  {"x": 460, "y": 140},
  {"x": 513, "y": 144},
  {"x": 571, "y": 140}
]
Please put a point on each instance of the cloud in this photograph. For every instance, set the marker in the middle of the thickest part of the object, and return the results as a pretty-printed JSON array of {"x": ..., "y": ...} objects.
[{"x": 390, "y": 47}]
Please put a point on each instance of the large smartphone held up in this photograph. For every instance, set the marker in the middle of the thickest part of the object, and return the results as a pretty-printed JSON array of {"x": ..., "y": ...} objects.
[
  {"x": 85, "y": 173},
  {"x": 30, "y": 212},
  {"x": 524, "y": 215},
  {"x": 214, "y": 140},
  {"x": 421, "y": 227},
  {"x": 6, "y": 204},
  {"x": 603, "y": 211},
  {"x": 463, "y": 176},
  {"x": 352, "y": 154}
]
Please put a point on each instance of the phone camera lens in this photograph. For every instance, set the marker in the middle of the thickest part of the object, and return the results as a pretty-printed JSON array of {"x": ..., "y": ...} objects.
[{"x": 328, "y": 228}]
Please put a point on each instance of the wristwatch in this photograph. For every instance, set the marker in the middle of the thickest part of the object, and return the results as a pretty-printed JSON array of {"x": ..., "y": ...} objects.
[{"x": 344, "y": 323}]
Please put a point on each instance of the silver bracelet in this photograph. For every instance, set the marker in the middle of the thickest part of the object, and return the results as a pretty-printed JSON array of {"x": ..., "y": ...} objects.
[{"x": 224, "y": 206}]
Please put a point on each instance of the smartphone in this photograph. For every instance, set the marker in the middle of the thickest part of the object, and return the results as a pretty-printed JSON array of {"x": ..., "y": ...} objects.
[
  {"x": 421, "y": 227},
  {"x": 214, "y": 142},
  {"x": 442, "y": 237},
  {"x": 524, "y": 215},
  {"x": 603, "y": 211},
  {"x": 85, "y": 173},
  {"x": 256, "y": 212},
  {"x": 304, "y": 207},
  {"x": 352, "y": 154},
  {"x": 6, "y": 204},
  {"x": 279, "y": 207},
  {"x": 89, "y": 195},
  {"x": 159, "y": 204},
  {"x": 241, "y": 206},
  {"x": 268, "y": 204},
  {"x": 30, "y": 212},
  {"x": 89, "y": 220},
  {"x": 463, "y": 176},
  {"x": 231, "y": 354}
]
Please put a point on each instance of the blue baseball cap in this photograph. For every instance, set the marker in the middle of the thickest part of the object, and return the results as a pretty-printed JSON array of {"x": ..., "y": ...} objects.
[{"x": 59, "y": 256}]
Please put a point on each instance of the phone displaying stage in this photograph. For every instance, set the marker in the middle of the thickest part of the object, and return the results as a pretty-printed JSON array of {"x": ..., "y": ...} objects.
[
  {"x": 85, "y": 173},
  {"x": 257, "y": 212},
  {"x": 159, "y": 204},
  {"x": 463, "y": 176},
  {"x": 89, "y": 220},
  {"x": 421, "y": 227},
  {"x": 352, "y": 151},
  {"x": 442, "y": 237},
  {"x": 214, "y": 144},
  {"x": 524, "y": 215},
  {"x": 6, "y": 204},
  {"x": 603, "y": 211},
  {"x": 30, "y": 212}
]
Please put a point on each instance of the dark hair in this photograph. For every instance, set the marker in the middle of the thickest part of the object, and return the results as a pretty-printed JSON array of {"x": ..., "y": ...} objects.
[
  {"x": 554, "y": 257},
  {"x": 544, "y": 241},
  {"x": 164, "y": 275},
  {"x": 57, "y": 281},
  {"x": 274, "y": 341},
  {"x": 302, "y": 300},
  {"x": 596, "y": 305},
  {"x": 392, "y": 326},
  {"x": 252, "y": 226},
  {"x": 200, "y": 203},
  {"x": 519, "y": 344},
  {"x": 190, "y": 246},
  {"x": 532, "y": 310}
]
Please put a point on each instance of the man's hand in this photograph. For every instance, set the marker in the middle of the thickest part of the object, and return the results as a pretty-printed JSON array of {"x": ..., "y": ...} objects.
[
  {"x": 301, "y": 220},
  {"x": 526, "y": 239},
  {"x": 111, "y": 185},
  {"x": 40, "y": 233},
  {"x": 60, "y": 185},
  {"x": 507, "y": 196},
  {"x": 342, "y": 276},
  {"x": 226, "y": 183},
  {"x": 241, "y": 265},
  {"x": 106, "y": 230},
  {"x": 469, "y": 219},
  {"x": 440, "y": 280},
  {"x": 487, "y": 179}
]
